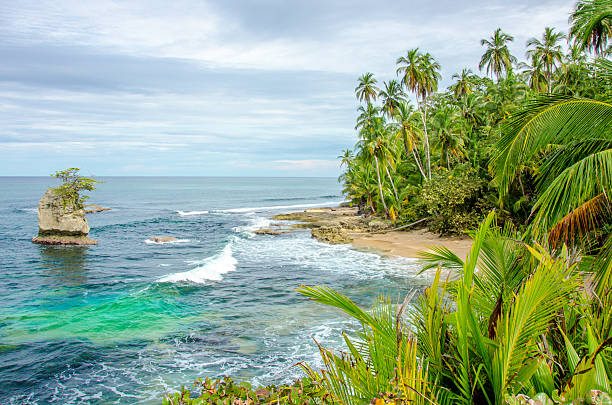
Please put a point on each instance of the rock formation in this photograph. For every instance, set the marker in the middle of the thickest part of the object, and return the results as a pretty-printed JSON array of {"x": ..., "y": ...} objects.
[
  {"x": 162, "y": 239},
  {"x": 61, "y": 222},
  {"x": 93, "y": 208},
  {"x": 331, "y": 234}
]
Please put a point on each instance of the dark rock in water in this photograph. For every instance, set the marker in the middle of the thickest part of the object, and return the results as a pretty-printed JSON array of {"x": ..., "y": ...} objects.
[
  {"x": 93, "y": 208},
  {"x": 64, "y": 240},
  {"x": 61, "y": 222},
  {"x": 162, "y": 239}
]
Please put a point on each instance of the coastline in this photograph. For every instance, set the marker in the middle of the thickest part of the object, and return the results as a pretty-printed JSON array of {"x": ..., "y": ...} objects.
[{"x": 345, "y": 225}]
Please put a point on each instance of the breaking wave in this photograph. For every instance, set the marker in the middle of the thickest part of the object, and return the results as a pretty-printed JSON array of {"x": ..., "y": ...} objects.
[
  {"x": 189, "y": 213},
  {"x": 211, "y": 269}
]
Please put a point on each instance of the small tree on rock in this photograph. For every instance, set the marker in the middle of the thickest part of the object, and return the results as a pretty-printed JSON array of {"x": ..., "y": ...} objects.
[{"x": 73, "y": 185}]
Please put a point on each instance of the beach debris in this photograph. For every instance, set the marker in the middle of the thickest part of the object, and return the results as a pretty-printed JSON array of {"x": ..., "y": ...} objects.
[{"x": 61, "y": 221}]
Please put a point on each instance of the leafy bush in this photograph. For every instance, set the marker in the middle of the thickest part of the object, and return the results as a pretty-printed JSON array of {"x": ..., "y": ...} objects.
[
  {"x": 73, "y": 185},
  {"x": 226, "y": 392},
  {"x": 454, "y": 200}
]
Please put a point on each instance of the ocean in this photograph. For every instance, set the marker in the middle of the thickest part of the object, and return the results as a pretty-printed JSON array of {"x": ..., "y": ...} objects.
[{"x": 128, "y": 320}]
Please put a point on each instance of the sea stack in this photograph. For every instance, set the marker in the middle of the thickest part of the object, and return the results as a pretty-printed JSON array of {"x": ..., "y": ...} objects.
[{"x": 61, "y": 222}]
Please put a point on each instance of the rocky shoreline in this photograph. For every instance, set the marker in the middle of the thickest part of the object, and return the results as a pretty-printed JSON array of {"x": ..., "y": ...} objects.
[
  {"x": 334, "y": 225},
  {"x": 344, "y": 225}
]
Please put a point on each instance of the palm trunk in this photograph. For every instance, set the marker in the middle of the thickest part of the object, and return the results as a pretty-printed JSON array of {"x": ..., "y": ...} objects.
[
  {"x": 418, "y": 163},
  {"x": 416, "y": 160},
  {"x": 382, "y": 197},
  {"x": 392, "y": 184},
  {"x": 424, "y": 119}
]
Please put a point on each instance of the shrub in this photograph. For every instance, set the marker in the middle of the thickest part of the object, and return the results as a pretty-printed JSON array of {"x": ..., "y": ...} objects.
[
  {"x": 73, "y": 185},
  {"x": 226, "y": 392},
  {"x": 454, "y": 200}
]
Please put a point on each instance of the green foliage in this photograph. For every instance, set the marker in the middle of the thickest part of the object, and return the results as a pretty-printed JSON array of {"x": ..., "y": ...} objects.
[
  {"x": 71, "y": 190},
  {"x": 523, "y": 328},
  {"x": 540, "y": 128},
  {"x": 453, "y": 200},
  {"x": 226, "y": 392}
]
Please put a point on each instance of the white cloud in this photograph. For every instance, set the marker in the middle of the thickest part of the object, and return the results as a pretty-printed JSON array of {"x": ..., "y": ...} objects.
[{"x": 306, "y": 164}]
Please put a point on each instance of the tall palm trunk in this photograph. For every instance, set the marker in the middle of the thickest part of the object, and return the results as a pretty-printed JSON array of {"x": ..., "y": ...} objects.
[
  {"x": 382, "y": 197},
  {"x": 424, "y": 120},
  {"x": 416, "y": 160},
  {"x": 392, "y": 184},
  {"x": 548, "y": 78}
]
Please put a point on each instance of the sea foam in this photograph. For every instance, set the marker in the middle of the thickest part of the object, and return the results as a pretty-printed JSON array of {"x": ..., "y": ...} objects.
[
  {"x": 170, "y": 242},
  {"x": 256, "y": 223},
  {"x": 279, "y": 207},
  {"x": 190, "y": 213},
  {"x": 212, "y": 268}
]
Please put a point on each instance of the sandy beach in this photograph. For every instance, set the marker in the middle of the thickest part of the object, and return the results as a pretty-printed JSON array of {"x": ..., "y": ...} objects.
[
  {"x": 344, "y": 225},
  {"x": 409, "y": 243}
]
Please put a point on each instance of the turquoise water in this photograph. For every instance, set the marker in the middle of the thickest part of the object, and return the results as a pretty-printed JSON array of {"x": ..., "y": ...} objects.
[{"x": 126, "y": 320}]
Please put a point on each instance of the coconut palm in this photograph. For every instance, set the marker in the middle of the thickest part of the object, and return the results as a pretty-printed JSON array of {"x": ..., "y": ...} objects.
[
  {"x": 407, "y": 120},
  {"x": 592, "y": 25},
  {"x": 534, "y": 75},
  {"x": 448, "y": 136},
  {"x": 497, "y": 57},
  {"x": 465, "y": 84},
  {"x": 366, "y": 116},
  {"x": 366, "y": 88},
  {"x": 373, "y": 144},
  {"x": 574, "y": 137},
  {"x": 360, "y": 183},
  {"x": 391, "y": 96},
  {"x": 420, "y": 75},
  {"x": 546, "y": 54},
  {"x": 346, "y": 157}
]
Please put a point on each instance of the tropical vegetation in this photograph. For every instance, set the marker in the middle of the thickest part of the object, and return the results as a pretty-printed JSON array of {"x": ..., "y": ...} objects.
[{"x": 522, "y": 161}]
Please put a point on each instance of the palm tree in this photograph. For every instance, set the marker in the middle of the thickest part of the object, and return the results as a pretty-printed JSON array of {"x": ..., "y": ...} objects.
[
  {"x": 406, "y": 118},
  {"x": 465, "y": 83},
  {"x": 346, "y": 158},
  {"x": 366, "y": 116},
  {"x": 546, "y": 53},
  {"x": 497, "y": 57},
  {"x": 391, "y": 96},
  {"x": 535, "y": 76},
  {"x": 366, "y": 88},
  {"x": 373, "y": 145},
  {"x": 420, "y": 75},
  {"x": 592, "y": 25},
  {"x": 574, "y": 136},
  {"x": 448, "y": 137}
]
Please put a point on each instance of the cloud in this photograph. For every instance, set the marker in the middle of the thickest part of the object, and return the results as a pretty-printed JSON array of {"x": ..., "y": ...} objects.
[
  {"x": 218, "y": 87},
  {"x": 306, "y": 165}
]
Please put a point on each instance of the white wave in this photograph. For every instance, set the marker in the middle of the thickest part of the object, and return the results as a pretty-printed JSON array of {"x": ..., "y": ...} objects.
[
  {"x": 189, "y": 213},
  {"x": 256, "y": 223},
  {"x": 170, "y": 242},
  {"x": 212, "y": 268},
  {"x": 280, "y": 207}
]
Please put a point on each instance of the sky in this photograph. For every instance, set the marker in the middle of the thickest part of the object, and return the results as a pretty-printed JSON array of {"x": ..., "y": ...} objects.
[{"x": 219, "y": 88}]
